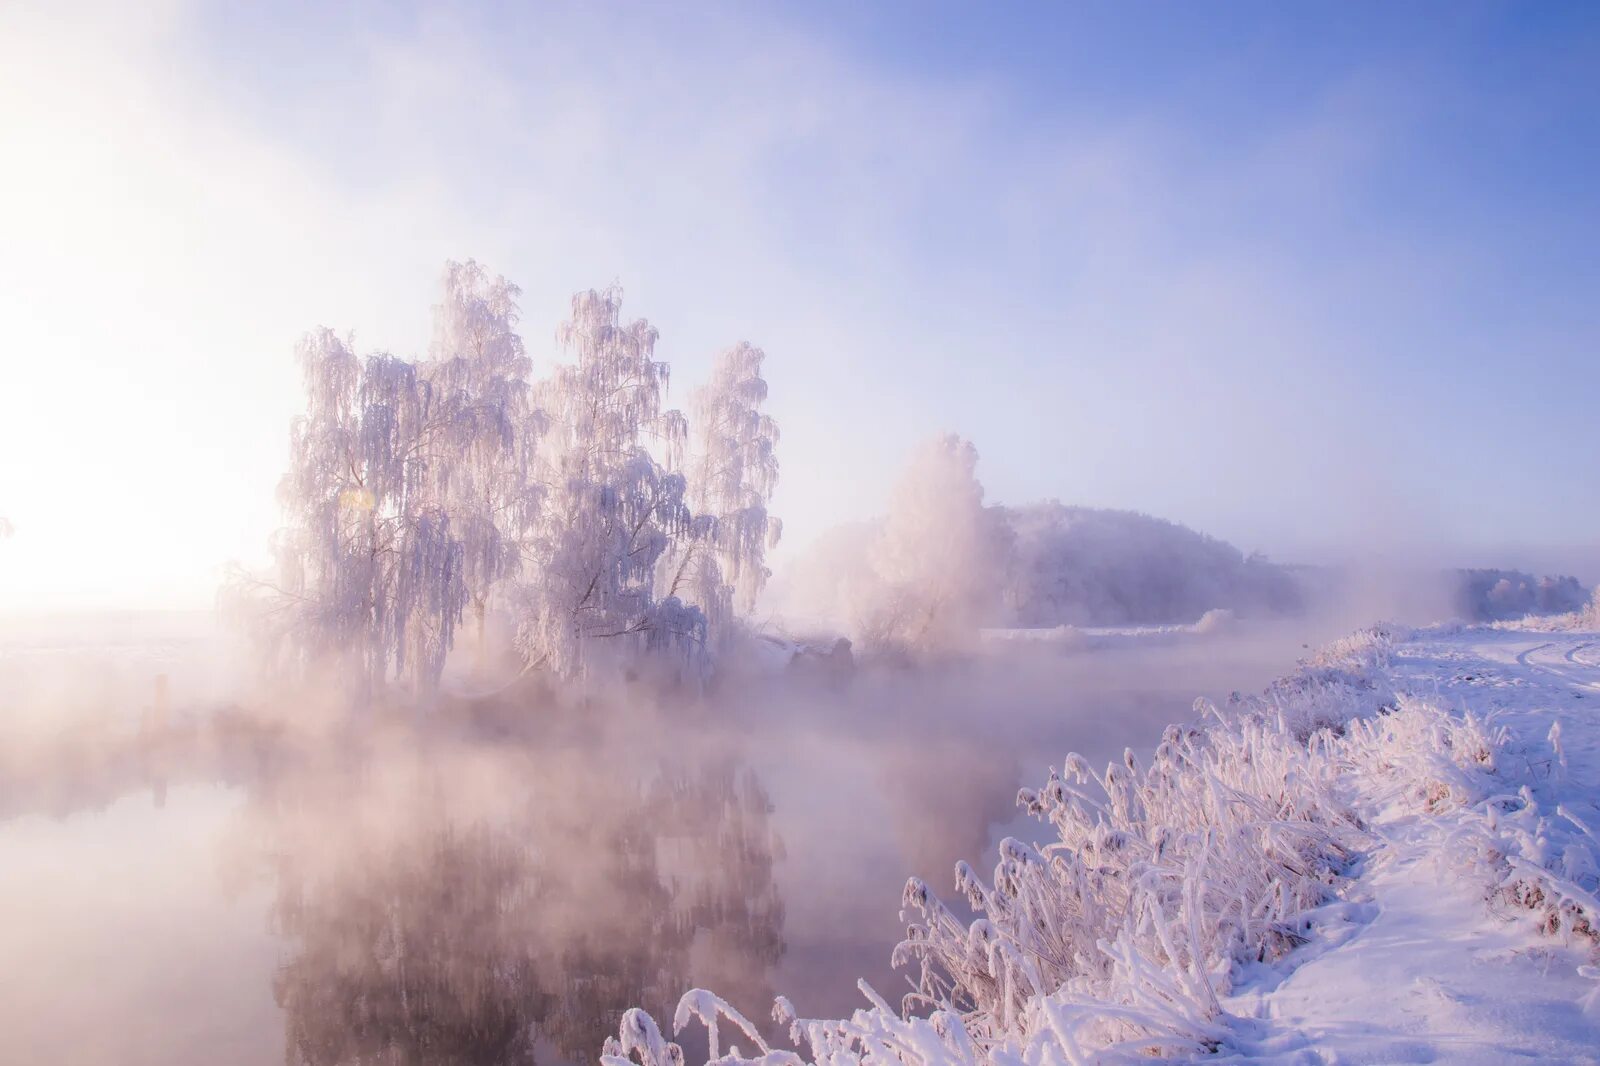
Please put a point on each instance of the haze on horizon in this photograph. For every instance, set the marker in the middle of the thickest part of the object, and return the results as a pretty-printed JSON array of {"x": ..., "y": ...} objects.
[{"x": 1317, "y": 299}]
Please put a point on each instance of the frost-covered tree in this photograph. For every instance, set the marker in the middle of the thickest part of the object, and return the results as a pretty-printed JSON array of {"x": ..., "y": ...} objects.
[
  {"x": 1500, "y": 595},
  {"x": 370, "y": 573},
  {"x": 417, "y": 490},
  {"x": 611, "y": 506},
  {"x": 478, "y": 466},
  {"x": 731, "y": 472},
  {"x": 939, "y": 558},
  {"x": 1590, "y": 615}
]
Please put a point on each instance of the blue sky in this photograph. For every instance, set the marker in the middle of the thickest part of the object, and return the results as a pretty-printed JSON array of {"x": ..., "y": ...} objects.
[{"x": 1311, "y": 278}]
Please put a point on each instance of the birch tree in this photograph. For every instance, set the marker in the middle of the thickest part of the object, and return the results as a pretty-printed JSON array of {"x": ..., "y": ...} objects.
[
  {"x": 370, "y": 574},
  {"x": 732, "y": 469},
  {"x": 478, "y": 468},
  {"x": 417, "y": 490},
  {"x": 611, "y": 505}
]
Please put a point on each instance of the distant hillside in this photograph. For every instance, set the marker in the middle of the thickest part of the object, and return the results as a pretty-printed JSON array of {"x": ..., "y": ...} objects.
[
  {"x": 1084, "y": 566},
  {"x": 1065, "y": 566}
]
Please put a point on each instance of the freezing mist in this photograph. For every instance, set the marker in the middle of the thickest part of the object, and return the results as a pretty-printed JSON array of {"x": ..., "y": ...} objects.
[{"x": 258, "y": 880}]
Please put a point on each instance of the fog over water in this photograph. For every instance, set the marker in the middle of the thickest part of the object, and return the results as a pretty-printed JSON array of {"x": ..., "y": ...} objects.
[{"x": 209, "y": 875}]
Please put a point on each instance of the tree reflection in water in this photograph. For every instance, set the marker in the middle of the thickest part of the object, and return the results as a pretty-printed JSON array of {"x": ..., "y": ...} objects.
[{"x": 454, "y": 903}]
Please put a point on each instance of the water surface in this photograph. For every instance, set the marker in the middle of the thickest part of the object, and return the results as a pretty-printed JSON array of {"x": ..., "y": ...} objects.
[{"x": 188, "y": 880}]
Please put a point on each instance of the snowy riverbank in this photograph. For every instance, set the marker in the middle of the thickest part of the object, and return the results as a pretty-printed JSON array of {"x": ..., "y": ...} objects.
[{"x": 1387, "y": 857}]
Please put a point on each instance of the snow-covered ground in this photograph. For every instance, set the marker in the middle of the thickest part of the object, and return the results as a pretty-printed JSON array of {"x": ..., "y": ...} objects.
[
  {"x": 1429, "y": 966},
  {"x": 1389, "y": 857},
  {"x": 1095, "y": 638}
]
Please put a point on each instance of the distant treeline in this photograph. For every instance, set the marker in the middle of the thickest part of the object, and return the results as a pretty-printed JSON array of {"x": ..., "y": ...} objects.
[
  {"x": 1088, "y": 567},
  {"x": 1497, "y": 595}
]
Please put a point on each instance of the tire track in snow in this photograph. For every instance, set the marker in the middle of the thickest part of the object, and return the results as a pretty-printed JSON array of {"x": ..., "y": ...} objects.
[
  {"x": 1522, "y": 657},
  {"x": 1548, "y": 668}
]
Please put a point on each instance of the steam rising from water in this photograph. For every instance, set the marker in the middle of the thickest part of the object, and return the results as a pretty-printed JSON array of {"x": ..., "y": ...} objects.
[{"x": 501, "y": 878}]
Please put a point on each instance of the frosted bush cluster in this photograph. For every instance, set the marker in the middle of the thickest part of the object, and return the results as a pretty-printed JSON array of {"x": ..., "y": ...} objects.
[
  {"x": 1534, "y": 854},
  {"x": 1511, "y": 832},
  {"x": 423, "y": 492},
  {"x": 1345, "y": 679},
  {"x": 1119, "y": 938}
]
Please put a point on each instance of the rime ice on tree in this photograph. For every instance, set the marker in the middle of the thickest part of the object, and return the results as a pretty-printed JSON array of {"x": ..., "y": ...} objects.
[
  {"x": 419, "y": 489},
  {"x": 939, "y": 557},
  {"x": 732, "y": 470}
]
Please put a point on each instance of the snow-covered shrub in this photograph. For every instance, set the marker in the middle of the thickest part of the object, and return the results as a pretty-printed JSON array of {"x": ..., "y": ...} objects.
[
  {"x": 1422, "y": 759},
  {"x": 1534, "y": 855},
  {"x": 1534, "y": 860},
  {"x": 1160, "y": 880},
  {"x": 1345, "y": 679}
]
